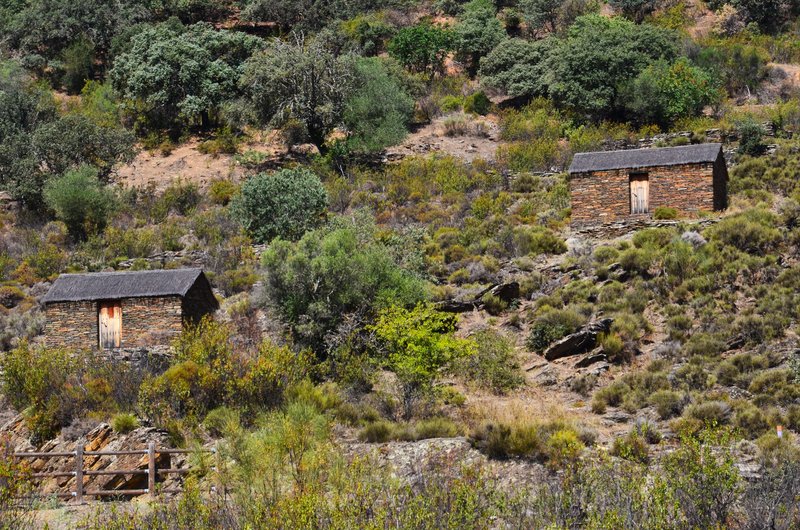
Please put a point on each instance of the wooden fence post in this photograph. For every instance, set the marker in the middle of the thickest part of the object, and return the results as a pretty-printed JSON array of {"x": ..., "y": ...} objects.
[
  {"x": 79, "y": 473},
  {"x": 151, "y": 468}
]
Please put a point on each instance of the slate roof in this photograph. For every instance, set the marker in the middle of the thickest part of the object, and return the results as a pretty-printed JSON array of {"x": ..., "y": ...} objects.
[
  {"x": 641, "y": 158},
  {"x": 127, "y": 284}
]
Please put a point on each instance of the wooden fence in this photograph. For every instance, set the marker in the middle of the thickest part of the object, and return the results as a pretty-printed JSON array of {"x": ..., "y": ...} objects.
[{"x": 79, "y": 473}]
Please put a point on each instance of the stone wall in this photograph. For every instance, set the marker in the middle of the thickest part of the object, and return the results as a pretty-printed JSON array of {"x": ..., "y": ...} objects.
[
  {"x": 71, "y": 324},
  {"x": 150, "y": 321},
  {"x": 603, "y": 197},
  {"x": 145, "y": 322}
]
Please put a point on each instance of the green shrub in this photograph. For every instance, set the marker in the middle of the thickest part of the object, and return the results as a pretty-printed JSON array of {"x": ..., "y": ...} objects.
[
  {"x": 632, "y": 446},
  {"x": 611, "y": 396},
  {"x": 710, "y": 412},
  {"x": 563, "y": 448},
  {"x": 551, "y": 325},
  {"x": 667, "y": 403},
  {"x": 222, "y": 191},
  {"x": 222, "y": 421},
  {"x": 477, "y": 103},
  {"x": 494, "y": 305},
  {"x": 751, "y": 134},
  {"x": 751, "y": 422},
  {"x": 752, "y": 231},
  {"x": 124, "y": 423},
  {"x": 284, "y": 204},
  {"x": 81, "y": 201},
  {"x": 181, "y": 197},
  {"x": 494, "y": 364},
  {"x": 665, "y": 213},
  {"x": 435, "y": 428},
  {"x": 377, "y": 432}
]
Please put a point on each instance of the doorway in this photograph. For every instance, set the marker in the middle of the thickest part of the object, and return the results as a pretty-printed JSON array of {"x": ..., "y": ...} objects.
[
  {"x": 109, "y": 321},
  {"x": 640, "y": 193}
]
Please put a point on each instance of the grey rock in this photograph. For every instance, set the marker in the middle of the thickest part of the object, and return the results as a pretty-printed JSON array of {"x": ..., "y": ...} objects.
[{"x": 579, "y": 342}]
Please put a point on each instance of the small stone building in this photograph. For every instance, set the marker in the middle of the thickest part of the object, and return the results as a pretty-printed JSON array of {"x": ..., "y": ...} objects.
[
  {"x": 129, "y": 309},
  {"x": 611, "y": 186}
]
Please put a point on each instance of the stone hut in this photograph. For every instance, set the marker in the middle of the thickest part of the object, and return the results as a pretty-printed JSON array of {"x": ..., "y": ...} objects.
[
  {"x": 131, "y": 309},
  {"x": 612, "y": 186}
]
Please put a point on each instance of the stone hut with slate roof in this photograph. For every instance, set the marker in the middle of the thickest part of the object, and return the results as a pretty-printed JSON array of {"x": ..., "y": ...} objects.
[
  {"x": 129, "y": 309},
  {"x": 613, "y": 186}
]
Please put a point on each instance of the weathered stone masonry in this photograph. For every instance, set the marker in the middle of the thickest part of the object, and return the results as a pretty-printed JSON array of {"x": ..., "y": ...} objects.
[
  {"x": 137, "y": 308},
  {"x": 145, "y": 321},
  {"x": 604, "y": 196}
]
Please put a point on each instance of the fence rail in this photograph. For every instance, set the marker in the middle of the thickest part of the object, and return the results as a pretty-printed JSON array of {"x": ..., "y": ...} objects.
[{"x": 80, "y": 472}]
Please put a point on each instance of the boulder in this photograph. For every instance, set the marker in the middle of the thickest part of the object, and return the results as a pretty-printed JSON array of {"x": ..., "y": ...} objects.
[
  {"x": 592, "y": 358},
  {"x": 507, "y": 292},
  {"x": 579, "y": 342}
]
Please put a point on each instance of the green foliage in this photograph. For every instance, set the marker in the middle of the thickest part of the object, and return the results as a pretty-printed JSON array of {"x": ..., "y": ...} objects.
[
  {"x": 378, "y": 112},
  {"x": 208, "y": 373},
  {"x": 750, "y": 138},
  {"x": 519, "y": 67},
  {"x": 494, "y": 364},
  {"x": 667, "y": 403},
  {"x": 300, "y": 80},
  {"x": 551, "y": 325},
  {"x": 738, "y": 67},
  {"x": 78, "y": 64},
  {"x": 662, "y": 93},
  {"x": 635, "y": 10},
  {"x": 418, "y": 345},
  {"x": 222, "y": 191},
  {"x": 601, "y": 54},
  {"x": 181, "y": 73},
  {"x": 81, "y": 201},
  {"x": 752, "y": 231},
  {"x": 36, "y": 144},
  {"x": 283, "y": 204},
  {"x": 422, "y": 48},
  {"x": 124, "y": 423},
  {"x": 477, "y": 103},
  {"x": 704, "y": 479},
  {"x": 333, "y": 272},
  {"x": 478, "y": 31},
  {"x": 665, "y": 212}
]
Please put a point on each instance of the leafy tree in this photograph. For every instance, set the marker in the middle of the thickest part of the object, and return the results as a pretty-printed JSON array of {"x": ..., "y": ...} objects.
[
  {"x": 78, "y": 64},
  {"x": 601, "y": 54},
  {"x": 739, "y": 67},
  {"x": 541, "y": 14},
  {"x": 283, "y": 204},
  {"x": 35, "y": 143},
  {"x": 664, "y": 92},
  {"x": 44, "y": 29},
  {"x": 422, "y": 48},
  {"x": 770, "y": 15},
  {"x": 334, "y": 275},
  {"x": 419, "y": 345},
  {"x": 307, "y": 14},
  {"x": 520, "y": 67},
  {"x": 80, "y": 200},
  {"x": 298, "y": 80},
  {"x": 477, "y": 32},
  {"x": 181, "y": 72},
  {"x": 377, "y": 114},
  {"x": 635, "y": 10}
]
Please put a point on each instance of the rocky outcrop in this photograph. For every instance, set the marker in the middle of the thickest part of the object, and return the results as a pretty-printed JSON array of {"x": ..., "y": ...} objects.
[
  {"x": 507, "y": 292},
  {"x": 578, "y": 342}
]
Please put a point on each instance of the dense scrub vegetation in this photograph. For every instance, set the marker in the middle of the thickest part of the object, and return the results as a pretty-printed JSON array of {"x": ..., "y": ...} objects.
[{"x": 333, "y": 263}]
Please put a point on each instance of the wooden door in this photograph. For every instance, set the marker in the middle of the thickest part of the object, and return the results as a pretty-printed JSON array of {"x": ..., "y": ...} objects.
[
  {"x": 640, "y": 194},
  {"x": 110, "y": 324}
]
